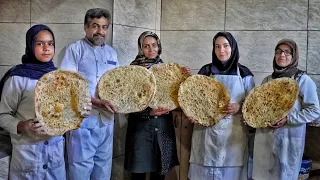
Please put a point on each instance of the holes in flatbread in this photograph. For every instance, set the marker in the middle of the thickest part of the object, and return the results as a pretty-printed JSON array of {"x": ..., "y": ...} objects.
[{"x": 118, "y": 80}]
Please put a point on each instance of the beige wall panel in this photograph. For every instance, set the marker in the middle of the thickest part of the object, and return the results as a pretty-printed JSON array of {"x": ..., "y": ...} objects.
[
  {"x": 158, "y": 14},
  {"x": 313, "y": 63},
  {"x": 65, "y": 11},
  {"x": 14, "y": 11},
  {"x": 188, "y": 48},
  {"x": 192, "y": 15},
  {"x": 125, "y": 42},
  {"x": 256, "y": 48},
  {"x": 266, "y": 15},
  {"x": 314, "y": 15},
  {"x": 258, "y": 77},
  {"x": 137, "y": 13},
  {"x": 12, "y": 42},
  {"x": 3, "y": 70}
]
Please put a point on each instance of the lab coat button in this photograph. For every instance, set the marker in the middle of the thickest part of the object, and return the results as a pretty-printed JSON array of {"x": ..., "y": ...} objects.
[
  {"x": 46, "y": 142},
  {"x": 156, "y": 129},
  {"x": 45, "y": 166}
]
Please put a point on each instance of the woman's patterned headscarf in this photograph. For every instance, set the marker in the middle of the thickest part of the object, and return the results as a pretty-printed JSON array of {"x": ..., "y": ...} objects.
[{"x": 141, "y": 59}]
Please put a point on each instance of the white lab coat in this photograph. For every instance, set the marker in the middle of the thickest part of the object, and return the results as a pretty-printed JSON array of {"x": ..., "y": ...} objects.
[
  {"x": 278, "y": 154},
  {"x": 220, "y": 151},
  {"x": 31, "y": 158},
  {"x": 90, "y": 147}
]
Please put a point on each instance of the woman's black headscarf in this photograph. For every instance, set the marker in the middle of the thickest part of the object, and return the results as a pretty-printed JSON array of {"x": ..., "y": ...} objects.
[{"x": 228, "y": 67}]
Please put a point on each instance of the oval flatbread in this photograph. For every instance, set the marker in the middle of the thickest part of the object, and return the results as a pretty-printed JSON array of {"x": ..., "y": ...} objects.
[
  {"x": 203, "y": 99},
  {"x": 60, "y": 96},
  {"x": 267, "y": 104},
  {"x": 168, "y": 76},
  {"x": 128, "y": 88}
]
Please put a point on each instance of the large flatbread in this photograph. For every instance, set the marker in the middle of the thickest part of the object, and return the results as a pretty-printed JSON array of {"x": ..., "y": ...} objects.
[
  {"x": 60, "y": 96},
  {"x": 203, "y": 99},
  {"x": 168, "y": 76},
  {"x": 128, "y": 88},
  {"x": 267, "y": 104}
]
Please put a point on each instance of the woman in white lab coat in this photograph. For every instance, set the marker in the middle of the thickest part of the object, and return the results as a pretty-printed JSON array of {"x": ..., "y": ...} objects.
[
  {"x": 220, "y": 151},
  {"x": 278, "y": 149},
  {"x": 34, "y": 155}
]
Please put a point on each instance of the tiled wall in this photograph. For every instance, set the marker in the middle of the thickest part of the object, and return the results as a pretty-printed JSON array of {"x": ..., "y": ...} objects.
[{"x": 187, "y": 30}]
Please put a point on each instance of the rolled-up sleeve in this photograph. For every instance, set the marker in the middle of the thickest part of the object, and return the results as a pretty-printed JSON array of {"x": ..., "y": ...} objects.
[
  {"x": 309, "y": 103},
  {"x": 10, "y": 98}
]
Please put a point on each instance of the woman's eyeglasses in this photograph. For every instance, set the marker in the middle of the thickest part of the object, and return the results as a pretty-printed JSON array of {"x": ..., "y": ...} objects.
[{"x": 280, "y": 51}]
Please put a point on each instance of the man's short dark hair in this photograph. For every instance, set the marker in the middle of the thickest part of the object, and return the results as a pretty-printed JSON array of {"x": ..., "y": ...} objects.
[{"x": 96, "y": 13}]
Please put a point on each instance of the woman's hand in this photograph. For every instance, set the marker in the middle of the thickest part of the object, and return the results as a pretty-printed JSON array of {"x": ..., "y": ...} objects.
[
  {"x": 31, "y": 127},
  {"x": 187, "y": 70},
  {"x": 104, "y": 105},
  {"x": 279, "y": 124},
  {"x": 232, "y": 109},
  {"x": 159, "y": 112}
]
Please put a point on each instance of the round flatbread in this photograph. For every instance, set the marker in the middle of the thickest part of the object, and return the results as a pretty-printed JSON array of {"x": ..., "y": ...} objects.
[
  {"x": 203, "y": 99},
  {"x": 267, "y": 104},
  {"x": 168, "y": 76},
  {"x": 60, "y": 96},
  {"x": 128, "y": 88}
]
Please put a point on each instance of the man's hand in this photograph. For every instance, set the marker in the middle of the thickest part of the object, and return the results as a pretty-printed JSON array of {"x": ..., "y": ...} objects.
[
  {"x": 104, "y": 105},
  {"x": 158, "y": 112}
]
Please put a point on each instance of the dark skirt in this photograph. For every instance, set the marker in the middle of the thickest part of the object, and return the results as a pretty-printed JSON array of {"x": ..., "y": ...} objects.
[{"x": 150, "y": 144}]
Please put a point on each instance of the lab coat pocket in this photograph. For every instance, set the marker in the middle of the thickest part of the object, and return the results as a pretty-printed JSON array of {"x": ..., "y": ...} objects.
[
  {"x": 24, "y": 158},
  {"x": 57, "y": 153}
]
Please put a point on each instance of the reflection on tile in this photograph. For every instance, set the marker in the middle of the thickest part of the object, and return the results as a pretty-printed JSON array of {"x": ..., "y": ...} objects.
[
  {"x": 314, "y": 15},
  {"x": 12, "y": 42},
  {"x": 256, "y": 48},
  {"x": 14, "y": 11},
  {"x": 194, "y": 15},
  {"x": 188, "y": 48},
  {"x": 118, "y": 172},
  {"x": 267, "y": 15},
  {"x": 125, "y": 42},
  {"x": 65, "y": 11},
  {"x": 119, "y": 135},
  {"x": 313, "y": 53},
  {"x": 137, "y": 13}
]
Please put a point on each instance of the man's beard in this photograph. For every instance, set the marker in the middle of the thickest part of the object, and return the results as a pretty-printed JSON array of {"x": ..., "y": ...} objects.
[{"x": 96, "y": 39}]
